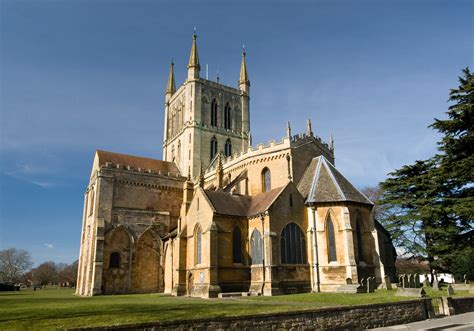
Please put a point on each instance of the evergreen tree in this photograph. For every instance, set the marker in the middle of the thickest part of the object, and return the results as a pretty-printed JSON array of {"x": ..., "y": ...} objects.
[{"x": 432, "y": 201}]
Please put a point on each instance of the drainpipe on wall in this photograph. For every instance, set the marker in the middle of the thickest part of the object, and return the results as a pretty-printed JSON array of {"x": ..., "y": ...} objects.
[{"x": 315, "y": 253}]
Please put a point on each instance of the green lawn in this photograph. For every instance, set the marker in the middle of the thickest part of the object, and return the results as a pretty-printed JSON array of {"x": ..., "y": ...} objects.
[{"x": 59, "y": 308}]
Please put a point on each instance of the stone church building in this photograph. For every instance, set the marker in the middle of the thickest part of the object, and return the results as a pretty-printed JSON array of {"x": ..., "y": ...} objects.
[{"x": 220, "y": 215}]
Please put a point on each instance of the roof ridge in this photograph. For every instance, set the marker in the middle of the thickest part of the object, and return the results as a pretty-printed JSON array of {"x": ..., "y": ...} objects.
[
  {"x": 338, "y": 188},
  {"x": 353, "y": 185},
  {"x": 316, "y": 177}
]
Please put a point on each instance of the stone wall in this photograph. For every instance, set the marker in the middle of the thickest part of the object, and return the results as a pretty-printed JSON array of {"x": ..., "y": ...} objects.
[
  {"x": 356, "y": 317},
  {"x": 462, "y": 305}
]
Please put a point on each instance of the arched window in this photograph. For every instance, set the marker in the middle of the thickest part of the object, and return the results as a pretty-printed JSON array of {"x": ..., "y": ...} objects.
[
  {"x": 213, "y": 147},
  {"x": 237, "y": 245},
  {"x": 214, "y": 112},
  {"x": 91, "y": 201},
  {"x": 227, "y": 118},
  {"x": 197, "y": 245},
  {"x": 360, "y": 246},
  {"x": 293, "y": 245},
  {"x": 114, "y": 261},
  {"x": 331, "y": 240},
  {"x": 228, "y": 148},
  {"x": 256, "y": 247},
  {"x": 266, "y": 180}
]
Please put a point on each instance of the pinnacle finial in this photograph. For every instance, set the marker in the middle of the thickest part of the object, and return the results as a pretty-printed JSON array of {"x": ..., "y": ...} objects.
[
  {"x": 171, "y": 86},
  {"x": 288, "y": 129},
  {"x": 244, "y": 77},
  {"x": 217, "y": 76},
  {"x": 331, "y": 142},
  {"x": 193, "y": 56},
  {"x": 309, "y": 129},
  {"x": 201, "y": 176}
]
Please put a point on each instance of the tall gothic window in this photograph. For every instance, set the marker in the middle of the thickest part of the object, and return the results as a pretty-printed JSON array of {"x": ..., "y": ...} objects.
[
  {"x": 227, "y": 118},
  {"x": 228, "y": 148},
  {"x": 114, "y": 261},
  {"x": 266, "y": 180},
  {"x": 197, "y": 245},
  {"x": 293, "y": 245},
  {"x": 360, "y": 246},
  {"x": 213, "y": 147},
  {"x": 331, "y": 241},
  {"x": 237, "y": 245},
  {"x": 256, "y": 247},
  {"x": 214, "y": 112}
]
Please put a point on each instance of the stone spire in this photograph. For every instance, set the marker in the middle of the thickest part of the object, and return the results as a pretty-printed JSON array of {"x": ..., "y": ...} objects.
[
  {"x": 244, "y": 82},
  {"x": 171, "y": 86},
  {"x": 288, "y": 130},
  {"x": 193, "y": 66},
  {"x": 309, "y": 129},
  {"x": 331, "y": 142}
]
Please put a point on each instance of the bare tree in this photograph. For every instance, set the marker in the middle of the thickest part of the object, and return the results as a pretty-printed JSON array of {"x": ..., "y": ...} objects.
[
  {"x": 14, "y": 263},
  {"x": 46, "y": 273},
  {"x": 69, "y": 274}
]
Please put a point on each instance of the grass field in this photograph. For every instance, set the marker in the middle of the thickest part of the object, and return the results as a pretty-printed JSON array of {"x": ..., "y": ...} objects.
[{"x": 54, "y": 308}]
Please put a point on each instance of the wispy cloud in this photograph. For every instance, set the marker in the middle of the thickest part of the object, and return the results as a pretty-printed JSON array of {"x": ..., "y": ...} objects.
[{"x": 49, "y": 246}]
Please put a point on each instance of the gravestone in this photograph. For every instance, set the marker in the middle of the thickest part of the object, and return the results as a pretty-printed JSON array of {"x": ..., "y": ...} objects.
[
  {"x": 411, "y": 280},
  {"x": 435, "y": 284},
  {"x": 388, "y": 283},
  {"x": 362, "y": 281},
  {"x": 417, "y": 280},
  {"x": 411, "y": 292},
  {"x": 348, "y": 281},
  {"x": 465, "y": 279},
  {"x": 450, "y": 290},
  {"x": 406, "y": 281},
  {"x": 426, "y": 282},
  {"x": 370, "y": 284}
]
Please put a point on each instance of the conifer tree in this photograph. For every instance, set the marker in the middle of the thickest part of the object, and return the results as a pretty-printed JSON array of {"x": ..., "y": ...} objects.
[{"x": 432, "y": 201}]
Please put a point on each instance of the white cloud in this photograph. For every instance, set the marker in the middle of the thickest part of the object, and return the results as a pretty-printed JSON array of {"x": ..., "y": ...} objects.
[{"x": 49, "y": 246}]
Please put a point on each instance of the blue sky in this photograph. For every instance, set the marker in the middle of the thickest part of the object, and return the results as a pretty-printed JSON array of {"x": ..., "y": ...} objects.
[{"x": 82, "y": 75}]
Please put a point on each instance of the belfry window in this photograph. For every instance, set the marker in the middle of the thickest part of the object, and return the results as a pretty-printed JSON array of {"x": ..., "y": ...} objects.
[
  {"x": 237, "y": 245},
  {"x": 228, "y": 148},
  {"x": 213, "y": 147},
  {"x": 256, "y": 247},
  {"x": 293, "y": 245},
  {"x": 214, "y": 112},
  {"x": 266, "y": 180},
  {"x": 331, "y": 241},
  {"x": 197, "y": 245},
  {"x": 227, "y": 118},
  {"x": 114, "y": 261}
]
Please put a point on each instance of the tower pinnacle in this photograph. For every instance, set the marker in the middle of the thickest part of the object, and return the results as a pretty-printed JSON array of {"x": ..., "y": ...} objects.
[
  {"x": 244, "y": 82},
  {"x": 171, "y": 86},
  {"x": 193, "y": 66}
]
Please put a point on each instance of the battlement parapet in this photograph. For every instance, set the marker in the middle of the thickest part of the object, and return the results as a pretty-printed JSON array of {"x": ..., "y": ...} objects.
[
  {"x": 271, "y": 147},
  {"x": 173, "y": 175}
]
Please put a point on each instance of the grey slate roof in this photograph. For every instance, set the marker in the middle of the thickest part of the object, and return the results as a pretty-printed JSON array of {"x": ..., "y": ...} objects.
[
  {"x": 226, "y": 203},
  {"x": 322, "y": 182}
]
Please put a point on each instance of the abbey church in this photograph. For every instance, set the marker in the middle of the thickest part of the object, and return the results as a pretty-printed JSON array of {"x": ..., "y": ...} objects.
[{"x": 220, "y": 215}]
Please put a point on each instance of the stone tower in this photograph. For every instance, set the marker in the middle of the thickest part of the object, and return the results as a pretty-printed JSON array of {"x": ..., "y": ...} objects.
[{"x": 203, "y": 117}]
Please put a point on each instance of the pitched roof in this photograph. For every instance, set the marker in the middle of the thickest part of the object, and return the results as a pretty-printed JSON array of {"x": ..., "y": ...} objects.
[
  {"x": 322, "y": 182},
  {"x": 226, "y": 203},
  {"x": 136, "y": 162}
]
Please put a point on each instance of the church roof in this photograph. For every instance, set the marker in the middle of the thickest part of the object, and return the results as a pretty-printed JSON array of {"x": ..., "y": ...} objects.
[
  {"x": 226, "y": 203},
  {"x": 322, "y": 182},
  {"x": 136, "y": 162}
]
